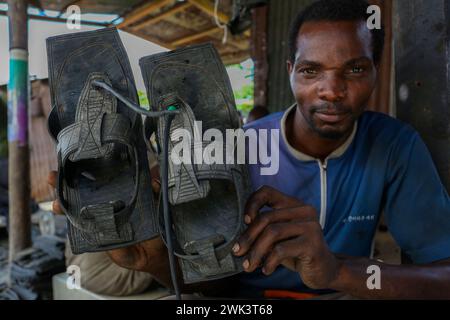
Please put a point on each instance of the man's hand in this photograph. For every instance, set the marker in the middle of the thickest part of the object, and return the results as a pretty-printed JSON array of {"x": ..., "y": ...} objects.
[
  {"x": 289, "y": 235},
  {"x": 151, "y": 255},
  {"x": 148, "y": 256}
]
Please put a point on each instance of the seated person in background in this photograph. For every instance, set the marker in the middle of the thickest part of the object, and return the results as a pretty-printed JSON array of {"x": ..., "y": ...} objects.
[{"x": 256, "y": 113}]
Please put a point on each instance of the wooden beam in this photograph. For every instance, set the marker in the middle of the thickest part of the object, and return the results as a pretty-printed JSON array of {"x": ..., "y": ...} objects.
[
  {"x": 170, "y": 12},
  {"x": 212, "y": 33},
  {"x": 207, "y": 7},
  {"x": 44, "y": 18},
  {"x": 142, "y": 11},
  {"x": 154, "y": 40},
  {"x": 195, "y": 36},
  {"x": 232, "y": 58},
  {"x": 237, "y": 44},
  {"x": 189, "y": 39},
  {"x": 64, "y": 9}
]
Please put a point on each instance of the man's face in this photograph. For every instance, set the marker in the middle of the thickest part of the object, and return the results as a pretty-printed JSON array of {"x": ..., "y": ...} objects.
[{"x": 333, "y": 75}]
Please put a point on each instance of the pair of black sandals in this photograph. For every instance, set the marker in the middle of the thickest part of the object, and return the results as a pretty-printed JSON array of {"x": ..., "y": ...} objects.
[{"x": 103, "y": 180}]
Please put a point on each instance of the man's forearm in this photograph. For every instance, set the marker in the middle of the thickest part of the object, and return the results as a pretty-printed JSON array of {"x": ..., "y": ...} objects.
[{"x": 397, "y": 281}]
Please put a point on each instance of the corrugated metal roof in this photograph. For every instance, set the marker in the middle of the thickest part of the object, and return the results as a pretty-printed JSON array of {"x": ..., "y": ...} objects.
[
  {"x": 280, "y": 15},
  {"x": 168, "y": 23}
]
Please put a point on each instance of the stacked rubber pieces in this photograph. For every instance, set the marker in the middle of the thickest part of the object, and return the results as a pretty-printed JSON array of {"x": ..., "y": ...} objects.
[{"x": 32, "y": 270}]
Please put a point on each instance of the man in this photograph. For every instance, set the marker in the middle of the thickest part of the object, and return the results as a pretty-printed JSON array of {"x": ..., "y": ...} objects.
[{"x": 339, "y": 168}]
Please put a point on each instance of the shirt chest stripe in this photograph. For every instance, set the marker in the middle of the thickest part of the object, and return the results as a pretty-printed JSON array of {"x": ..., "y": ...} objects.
[{"x": 323, "y": 192}]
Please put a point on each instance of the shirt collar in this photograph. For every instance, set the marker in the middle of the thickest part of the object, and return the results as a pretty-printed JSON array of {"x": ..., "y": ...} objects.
[{"x": 303, "y": 156}]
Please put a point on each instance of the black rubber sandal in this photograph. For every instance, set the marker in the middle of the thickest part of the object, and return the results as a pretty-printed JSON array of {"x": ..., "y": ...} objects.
[
  {"x": 206, "y": 200},
  {"x": 103, "y": 176}
]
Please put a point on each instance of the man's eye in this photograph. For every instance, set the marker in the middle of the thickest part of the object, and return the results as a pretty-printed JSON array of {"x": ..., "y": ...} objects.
[
  {"x": 308, "y": 71},
  {"x": 356, "y": 70}
]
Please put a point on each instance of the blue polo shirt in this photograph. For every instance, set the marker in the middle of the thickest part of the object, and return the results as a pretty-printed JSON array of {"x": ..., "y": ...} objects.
[{"x": 384, "y": 166}]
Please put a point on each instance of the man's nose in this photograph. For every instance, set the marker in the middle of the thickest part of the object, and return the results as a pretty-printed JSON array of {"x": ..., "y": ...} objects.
[{"x": 332, "y": 88}]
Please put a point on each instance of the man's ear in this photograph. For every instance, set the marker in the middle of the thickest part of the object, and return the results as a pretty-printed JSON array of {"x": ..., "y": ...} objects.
[{"x": 289, "y": 66}]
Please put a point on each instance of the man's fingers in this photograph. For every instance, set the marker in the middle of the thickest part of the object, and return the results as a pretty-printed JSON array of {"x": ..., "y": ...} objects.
[
  {"x": 264, "y": 196},
  {"x": 269, "y": 238},
  {"x": 156, "y": 185},
  {"x": 282, "y": 252},
  {"x": 258, "y": 225},
  {"x": 51, "y": 178},
  {"x": 56, "y": 207},
  {"x": 156, "y": 182},
  {"x": 126, "y": 257},
  {"x": 136, "y": 257},
  {"x": 267, "y": 196}
]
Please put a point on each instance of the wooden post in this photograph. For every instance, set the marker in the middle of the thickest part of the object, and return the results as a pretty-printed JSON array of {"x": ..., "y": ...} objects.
[
  {"x": 19, "y": 162},
  {"x": 381, "y": 96},
  {"x": 422, "y": 42}
]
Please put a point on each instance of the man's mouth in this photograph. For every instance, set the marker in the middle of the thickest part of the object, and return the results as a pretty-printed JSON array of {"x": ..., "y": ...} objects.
[{"x": 332, "y": 117}]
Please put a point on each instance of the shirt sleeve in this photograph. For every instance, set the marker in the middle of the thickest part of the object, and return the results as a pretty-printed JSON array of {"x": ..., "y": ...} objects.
[{"x": 417, "y": 207}]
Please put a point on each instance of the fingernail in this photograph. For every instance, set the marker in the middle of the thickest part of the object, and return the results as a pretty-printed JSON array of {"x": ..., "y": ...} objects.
[
  {"x": 247, "y": 219},
  {"x": 235, "y": 248},
  {"x": 246, "y": 264},
  {"x": 263, "y": 270}
]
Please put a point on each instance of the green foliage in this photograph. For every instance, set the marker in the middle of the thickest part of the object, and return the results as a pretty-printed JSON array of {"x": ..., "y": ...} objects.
[
  {"x": 143, "y": 100},
  {"x": 245, "y": 108},
  {"x": 244, "y": 99},
  {"x": 246, "y": 92}
]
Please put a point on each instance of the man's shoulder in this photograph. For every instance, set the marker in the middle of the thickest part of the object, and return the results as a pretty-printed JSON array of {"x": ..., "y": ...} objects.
[
  {"x": 378, "y": 119},
  {"x": 377, "y": 124},
  {"x": 272, "y": 121}
]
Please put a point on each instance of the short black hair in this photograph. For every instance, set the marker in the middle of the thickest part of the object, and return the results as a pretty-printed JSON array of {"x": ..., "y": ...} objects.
[{"x": 336, "y": 10}]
